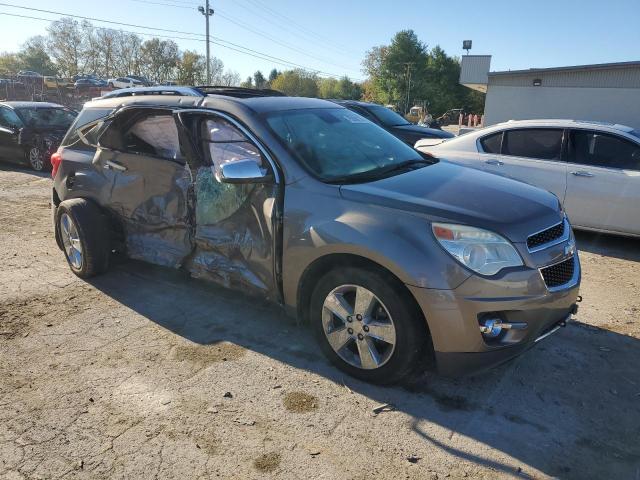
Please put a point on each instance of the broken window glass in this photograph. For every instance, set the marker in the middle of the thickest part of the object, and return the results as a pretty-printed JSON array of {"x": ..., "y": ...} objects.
[{"x": 155, "y": 135}]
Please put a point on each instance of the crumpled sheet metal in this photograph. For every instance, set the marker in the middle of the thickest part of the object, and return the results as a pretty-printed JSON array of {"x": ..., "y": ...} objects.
[
  {"x": 155, "y": 217},
  {"x": 232, "y": 245}
]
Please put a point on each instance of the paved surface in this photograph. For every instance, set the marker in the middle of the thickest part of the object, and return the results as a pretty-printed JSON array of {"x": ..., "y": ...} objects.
[{"x": 144, "y": 373}]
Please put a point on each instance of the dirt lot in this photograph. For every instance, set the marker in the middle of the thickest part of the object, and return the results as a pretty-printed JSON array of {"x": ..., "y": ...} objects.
[{"x": 144, "y": 373}]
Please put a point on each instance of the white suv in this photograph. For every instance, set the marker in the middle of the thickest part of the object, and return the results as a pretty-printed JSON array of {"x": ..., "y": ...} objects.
[
  {"x": 124, "y": 82},
  {"x": 593, "y": 168}
]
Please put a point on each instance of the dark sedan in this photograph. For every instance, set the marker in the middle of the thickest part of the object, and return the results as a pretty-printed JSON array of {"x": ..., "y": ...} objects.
[
  {"x": 394, "y": 123},
  {"x": 31, "y": 131}
]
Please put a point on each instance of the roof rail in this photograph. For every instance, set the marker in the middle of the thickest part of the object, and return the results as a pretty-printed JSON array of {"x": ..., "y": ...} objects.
[
  {"x": 156, "y": 90},
  {"x": 239, "y": 92}
]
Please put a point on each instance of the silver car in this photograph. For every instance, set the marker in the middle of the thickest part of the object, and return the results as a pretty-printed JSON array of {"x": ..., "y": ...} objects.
[
  {"x": 594, "y": 168},
  {"x": 395, "y": 259}
]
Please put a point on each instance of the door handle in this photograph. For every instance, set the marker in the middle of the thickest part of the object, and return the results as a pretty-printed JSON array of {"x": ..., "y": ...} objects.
[
  {"x": 494, "y": 162},
  {"x": 582, "y": 173},
  {"x": 111, "y": 165}
]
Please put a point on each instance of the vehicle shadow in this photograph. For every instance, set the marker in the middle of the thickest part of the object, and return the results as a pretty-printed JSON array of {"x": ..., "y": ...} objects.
[
  {"x": 569, "y": 408},
  {"x": 14, "y": 167},
  {"x": 625, "y": 248}
]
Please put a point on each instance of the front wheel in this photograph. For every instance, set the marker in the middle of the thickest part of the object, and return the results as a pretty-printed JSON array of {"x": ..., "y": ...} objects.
[{"x": 367, "y": 326}]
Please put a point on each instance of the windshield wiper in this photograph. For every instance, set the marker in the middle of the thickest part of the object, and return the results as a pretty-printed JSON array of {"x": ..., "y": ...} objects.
[{"x": 379, "y": 173}]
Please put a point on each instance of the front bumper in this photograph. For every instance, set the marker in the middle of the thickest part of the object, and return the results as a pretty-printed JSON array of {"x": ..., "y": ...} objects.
[{"x": 517, "y": 297}]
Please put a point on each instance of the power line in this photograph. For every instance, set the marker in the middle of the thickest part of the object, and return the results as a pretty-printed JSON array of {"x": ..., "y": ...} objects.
[
  {"x": 288, "y": 22},
  {"x": 278, "y": 60},
  {"x": 246, "y": 26},
  {"x": 255, "y": 54}
]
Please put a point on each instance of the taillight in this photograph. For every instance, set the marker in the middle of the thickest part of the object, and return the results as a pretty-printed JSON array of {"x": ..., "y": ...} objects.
[{"x": 56, "y": 158}]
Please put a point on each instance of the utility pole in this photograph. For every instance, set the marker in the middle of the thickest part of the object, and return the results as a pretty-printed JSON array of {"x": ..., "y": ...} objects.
[
  {"x": 207, "y": 12},
  {"x": 408, "y": 76}
]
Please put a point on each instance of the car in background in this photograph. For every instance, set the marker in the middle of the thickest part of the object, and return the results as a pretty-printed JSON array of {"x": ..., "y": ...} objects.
[
  {"x": 54, "y": 83},
  {"x": 124, "y": 82},
  {"x": 89, "y": 85},
  {"x": 393, "y": 122},
  {"x": 29, "y": 75},
  {"x": 592, "y": 167},
  {"x": 392, "y": 258},
  {"x": 144, "y": 81},
  {"x": 31, "y": 131}
]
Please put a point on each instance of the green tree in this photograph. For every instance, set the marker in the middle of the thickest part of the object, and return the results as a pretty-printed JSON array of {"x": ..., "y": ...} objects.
[
  {"x": 33, "y": 56},
  {"x": 160, "y": 58},
  {"x": 10, "y": 63},
  {"x": 272, "y": 76},
  {"x": 66, "y": 44},
  {"x": 248, "y": 83},
  {"x": 297, "y": 83},
  {"x": 406, "y": 72},
  {"x": 259, "y": 80},
  {"x": 398, "y": 70},
  {"x": 191, "y": 68}
]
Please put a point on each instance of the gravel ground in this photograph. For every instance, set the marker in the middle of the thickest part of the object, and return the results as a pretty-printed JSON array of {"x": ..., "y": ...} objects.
[{"x": 145, "y": 373}]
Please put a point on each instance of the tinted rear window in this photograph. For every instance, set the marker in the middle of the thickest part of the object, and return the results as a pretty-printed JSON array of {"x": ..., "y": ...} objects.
[
  {"x": 86, "y": 116},
  {"x": 542, "y": 143},
  {"x": 492, "y": 143}
]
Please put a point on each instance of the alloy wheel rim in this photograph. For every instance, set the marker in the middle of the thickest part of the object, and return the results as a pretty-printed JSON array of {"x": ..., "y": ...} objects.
[
  {"x": 358, "y": 327},
  {"x": 35, "y": 159},
  {"x": 71, "y": 241}
]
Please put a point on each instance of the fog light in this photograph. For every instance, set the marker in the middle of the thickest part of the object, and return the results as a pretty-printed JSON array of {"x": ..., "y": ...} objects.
[{"x": 491, "y": 327}]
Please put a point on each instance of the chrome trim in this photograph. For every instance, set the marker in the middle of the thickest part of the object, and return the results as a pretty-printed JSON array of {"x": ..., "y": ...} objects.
[
  {"x": 565, "y": 236},
  {"x": 574, "y": 278},
  {"x": 559, "y": 325}
]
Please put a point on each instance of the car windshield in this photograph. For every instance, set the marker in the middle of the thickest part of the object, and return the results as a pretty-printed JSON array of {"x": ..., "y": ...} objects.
[
  {"x": 338, "y": 145},
  {"x": 387, "y": 117},
  {"x": 47, "y": 117}
]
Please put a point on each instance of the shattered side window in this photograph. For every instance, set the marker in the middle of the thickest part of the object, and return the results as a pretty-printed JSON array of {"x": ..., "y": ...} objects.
[
  {"x": 155, "y": 135},
  {"x": 217, "y": 201},
  {"x": 227, "y": 144}
]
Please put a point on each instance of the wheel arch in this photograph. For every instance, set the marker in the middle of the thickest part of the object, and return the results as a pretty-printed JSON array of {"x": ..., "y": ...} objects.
[{"x": 326, "y": 263}]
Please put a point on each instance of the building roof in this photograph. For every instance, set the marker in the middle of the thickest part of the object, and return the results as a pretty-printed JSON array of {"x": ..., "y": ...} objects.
[{"x": 596, "y": 66}]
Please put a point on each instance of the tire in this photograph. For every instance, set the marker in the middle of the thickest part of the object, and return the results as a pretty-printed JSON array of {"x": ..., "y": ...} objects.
[
  {"x": 88, "y": 232},
  {"x": 34, "y": 156},
  {"x": 399, "y": 312}
]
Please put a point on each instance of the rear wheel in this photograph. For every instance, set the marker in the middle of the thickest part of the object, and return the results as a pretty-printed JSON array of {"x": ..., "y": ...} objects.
[
  {"x": 367, "y": 326},
  {"x": 83, "y": 232}
]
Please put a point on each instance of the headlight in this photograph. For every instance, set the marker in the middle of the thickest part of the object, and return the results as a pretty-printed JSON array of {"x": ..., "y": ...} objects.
[{"x": 480, "y": 250}]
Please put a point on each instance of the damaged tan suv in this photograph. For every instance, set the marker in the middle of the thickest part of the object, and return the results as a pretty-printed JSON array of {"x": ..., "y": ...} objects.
[{"x": 392, "y": 256}]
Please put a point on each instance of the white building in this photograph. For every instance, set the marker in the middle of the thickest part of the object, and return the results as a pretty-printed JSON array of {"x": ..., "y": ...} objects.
[{"x": 608, "y": 92}]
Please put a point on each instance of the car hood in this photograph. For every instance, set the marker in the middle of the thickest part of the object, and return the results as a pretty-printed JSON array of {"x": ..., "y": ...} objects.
[
  {"x": 446, "y": 192},
  {"x": 418, "y": 130}
]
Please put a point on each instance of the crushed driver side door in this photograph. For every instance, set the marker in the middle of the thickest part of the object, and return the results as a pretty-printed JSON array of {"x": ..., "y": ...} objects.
[{"x": 236, "y": 225}]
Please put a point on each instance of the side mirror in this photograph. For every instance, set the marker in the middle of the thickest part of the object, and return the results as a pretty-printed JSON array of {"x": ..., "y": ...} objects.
[{"x": 242, "y": 171}]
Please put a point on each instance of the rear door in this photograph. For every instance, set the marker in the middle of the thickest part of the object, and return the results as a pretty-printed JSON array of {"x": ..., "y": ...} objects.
[
  {"x": 142, "y": 155},
  {"x": 235, "y": 224},
  {"x": 603, "y": 184},
  {"x": 531, "y": 155}
]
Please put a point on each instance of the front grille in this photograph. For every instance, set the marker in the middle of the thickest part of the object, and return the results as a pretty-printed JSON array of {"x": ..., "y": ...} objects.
[
  {"x": 546, "y": 236},
  {"x": 558, "y": 274}
]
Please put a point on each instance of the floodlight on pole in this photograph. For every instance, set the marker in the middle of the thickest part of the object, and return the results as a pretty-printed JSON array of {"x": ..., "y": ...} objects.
[{"x": 207, "y": 12}]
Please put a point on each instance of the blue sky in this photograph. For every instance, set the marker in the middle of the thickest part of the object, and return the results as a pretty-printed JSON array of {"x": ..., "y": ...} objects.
[{"x": 332, "y": 36}]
